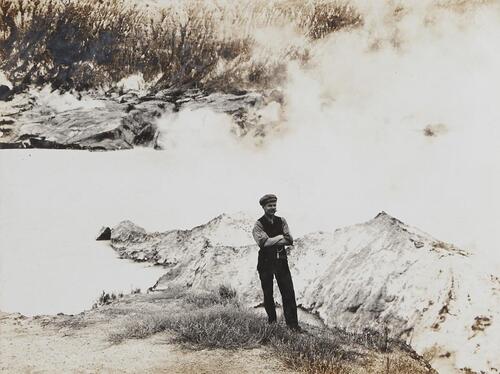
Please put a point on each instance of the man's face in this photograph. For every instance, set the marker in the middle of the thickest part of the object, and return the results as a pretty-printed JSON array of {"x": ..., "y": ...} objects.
[{"x": 270, "y": 208}]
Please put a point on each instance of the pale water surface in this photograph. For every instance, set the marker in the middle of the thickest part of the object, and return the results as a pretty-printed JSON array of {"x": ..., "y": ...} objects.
[
  {"x": 53, "y": 203},
  {"x": 52, "y": 206}
]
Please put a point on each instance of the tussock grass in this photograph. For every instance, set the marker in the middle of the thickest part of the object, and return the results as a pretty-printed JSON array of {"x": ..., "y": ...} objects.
[
  {"x": 141, "y": 328},
  {"x": 153, "y": 323},
  {"x": 106, "y": 298},
  {"x": 219, "y": 326},
  {"x": 219, "y": 321},
  {"x": 223, "y": 295},
  {"x": 322, "y": 353},
  {"x": 226, "y": 292},
  {"x": 86, "y": 44}
]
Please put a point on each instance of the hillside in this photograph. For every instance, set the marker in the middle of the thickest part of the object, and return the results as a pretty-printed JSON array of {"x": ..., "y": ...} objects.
[{"x": 377, "y": 274}]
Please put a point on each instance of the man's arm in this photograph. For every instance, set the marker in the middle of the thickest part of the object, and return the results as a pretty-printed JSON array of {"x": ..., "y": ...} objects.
[
  {"x": 259, "y": 234},
  {"x": 262, "y": 239},
  {"x": 286, "y": 233}
]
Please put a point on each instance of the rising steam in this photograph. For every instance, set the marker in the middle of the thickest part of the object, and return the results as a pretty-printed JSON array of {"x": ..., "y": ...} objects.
[
  {"x": 387, "y": 105},
  {"x": 398, "y": 115}
]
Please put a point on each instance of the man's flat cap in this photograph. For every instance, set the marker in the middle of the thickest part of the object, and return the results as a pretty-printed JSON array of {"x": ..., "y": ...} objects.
[{"x": 267, "y": 199}]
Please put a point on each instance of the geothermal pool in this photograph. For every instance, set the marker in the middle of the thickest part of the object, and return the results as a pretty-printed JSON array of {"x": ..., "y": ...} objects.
[{"x": 53, "y": 202}]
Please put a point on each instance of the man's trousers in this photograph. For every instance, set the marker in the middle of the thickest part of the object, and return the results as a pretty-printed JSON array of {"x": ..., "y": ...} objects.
[{"x": 279, "y": 269}]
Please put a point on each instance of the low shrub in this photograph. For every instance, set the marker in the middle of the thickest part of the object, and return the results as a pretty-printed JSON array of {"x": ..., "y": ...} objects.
[
  {"x": 227, "y": 292},
  {"x": 105, "y": 299}
]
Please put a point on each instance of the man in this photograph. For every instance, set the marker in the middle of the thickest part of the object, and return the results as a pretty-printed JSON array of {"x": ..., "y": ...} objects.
[{"x": 272, "y": 234}]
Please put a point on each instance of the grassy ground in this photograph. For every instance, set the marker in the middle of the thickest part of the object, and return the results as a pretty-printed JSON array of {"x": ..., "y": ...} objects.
[
  {"x": 184, "y": 331},
  {"x": 214, "y": 320}
]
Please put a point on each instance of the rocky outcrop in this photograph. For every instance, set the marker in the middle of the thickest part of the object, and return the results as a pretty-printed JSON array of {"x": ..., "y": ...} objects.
[
  {"x": 104, "y": 234},
  {"x": 5, "y": 92},
  {"x": 110, "y": 125},
  {"x": 128, "y": 232},
  {"x": 193, "y": 256},
  {"x": 378, "y": 274},
  {"x": 112, "y": 121}
]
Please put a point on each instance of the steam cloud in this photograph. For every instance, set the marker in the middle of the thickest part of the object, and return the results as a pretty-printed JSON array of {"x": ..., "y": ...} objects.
[{"x": 353, "y": 137}]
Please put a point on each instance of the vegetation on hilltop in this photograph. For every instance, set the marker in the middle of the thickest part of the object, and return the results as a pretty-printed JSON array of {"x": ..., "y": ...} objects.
[{"x": 87, "y": 44}]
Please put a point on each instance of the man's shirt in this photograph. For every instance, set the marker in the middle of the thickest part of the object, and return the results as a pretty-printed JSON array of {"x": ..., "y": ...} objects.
[{"x": 261, "y": 237}]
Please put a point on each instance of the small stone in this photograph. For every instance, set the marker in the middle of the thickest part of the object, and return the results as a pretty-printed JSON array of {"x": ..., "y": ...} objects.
[
  {"x": 104, "y": 234},
  {"x": 5, "y": 92}
]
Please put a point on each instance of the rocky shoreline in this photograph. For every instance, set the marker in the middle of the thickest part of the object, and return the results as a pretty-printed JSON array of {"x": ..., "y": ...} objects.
[{"x": 115, "y": 120}]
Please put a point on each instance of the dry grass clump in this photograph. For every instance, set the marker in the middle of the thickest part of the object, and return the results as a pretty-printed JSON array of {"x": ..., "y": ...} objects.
[
  {"x": 223, "y": 295},
  {"x": 322, "y": 352},
  {"x": 153, "y": 323},
  {"x": 327, "y": 17},
  {"x": 143, "y": 327},
  {"x": 86, "y": 44},
  {"x": 219, "y": 326},
  {"x": 106, "y": 298}
]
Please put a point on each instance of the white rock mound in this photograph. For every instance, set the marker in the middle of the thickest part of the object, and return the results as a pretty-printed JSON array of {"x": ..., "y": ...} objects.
[{"x": 377, "y": 274}]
